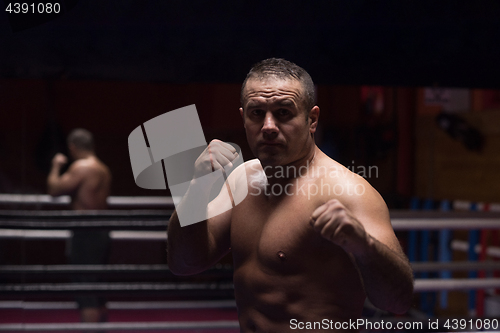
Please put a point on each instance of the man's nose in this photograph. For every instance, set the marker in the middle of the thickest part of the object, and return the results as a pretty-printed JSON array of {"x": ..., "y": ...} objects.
[{"x": 269, "y": 126}]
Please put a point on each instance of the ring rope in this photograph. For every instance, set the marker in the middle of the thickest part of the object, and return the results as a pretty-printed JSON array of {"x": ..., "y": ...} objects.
[
  {"x": 159, "y": 268},
  {"x": 65, "y": 200},
  {"x": 106, "y": 288},
  {"x": 421, "y": 285},
  {"x": 123, "y": 268},
  {"x": 130, "y": 326}
]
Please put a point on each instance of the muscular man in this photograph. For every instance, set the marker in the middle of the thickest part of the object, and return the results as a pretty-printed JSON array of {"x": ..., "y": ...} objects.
[
  {"x": 88, "y": 183},
  {"x": 311, "y": 239}
]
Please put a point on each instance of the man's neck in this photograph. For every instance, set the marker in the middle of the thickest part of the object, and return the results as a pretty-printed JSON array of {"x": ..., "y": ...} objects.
[
  {"x": 83, "y": 154},
  {"x": 290, "y": 171}
]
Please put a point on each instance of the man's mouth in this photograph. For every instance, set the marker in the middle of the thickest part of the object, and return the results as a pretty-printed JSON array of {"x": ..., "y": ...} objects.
[{"x": 270, "y": 143}]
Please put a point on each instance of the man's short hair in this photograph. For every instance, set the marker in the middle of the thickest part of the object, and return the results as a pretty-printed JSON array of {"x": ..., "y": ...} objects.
[
  {"x": 82, "y": 139},
  {"x": 283, "y": 69}
]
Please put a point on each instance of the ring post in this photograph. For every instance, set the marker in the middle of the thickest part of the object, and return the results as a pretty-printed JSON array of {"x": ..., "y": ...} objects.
[
  {"x": 444, "y": 253},
  {"x": 472, "y": 256},
  {"x": 482, "y": 257},
  {"x": 428, "y": 299},
  {"x": 413, "y": 234}
]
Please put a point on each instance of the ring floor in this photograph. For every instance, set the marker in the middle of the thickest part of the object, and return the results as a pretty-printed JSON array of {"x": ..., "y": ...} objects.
[{"x": 39, "y": 316}]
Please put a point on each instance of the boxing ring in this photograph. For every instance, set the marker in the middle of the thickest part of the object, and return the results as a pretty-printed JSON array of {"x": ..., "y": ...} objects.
[{"x": 147, "y": 297}]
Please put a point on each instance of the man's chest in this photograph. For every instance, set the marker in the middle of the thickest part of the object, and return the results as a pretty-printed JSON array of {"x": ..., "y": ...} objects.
[{"x": 275, "y": 231}]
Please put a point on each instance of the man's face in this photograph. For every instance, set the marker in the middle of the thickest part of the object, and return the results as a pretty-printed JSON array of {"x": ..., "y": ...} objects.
[
  {"x": 72, "y": 150},
  {"x": 274, "y": 115}
]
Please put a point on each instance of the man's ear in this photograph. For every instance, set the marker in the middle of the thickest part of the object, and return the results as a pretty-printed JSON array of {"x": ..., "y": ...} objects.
[
  {"x": 242, "y": 116},
  {"x": 313, "y": 117}
]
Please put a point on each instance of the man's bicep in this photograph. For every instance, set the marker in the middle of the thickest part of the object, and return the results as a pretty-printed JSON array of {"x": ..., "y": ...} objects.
[
  {"x": 373, "y": 213},
  {"x": 219, "y": 221},
  {"x": 231, "y": 193},
  {"x": 384, "y": 233},
  {"x": 220, "y": 209},
  {"x": 69, "y": 181}
]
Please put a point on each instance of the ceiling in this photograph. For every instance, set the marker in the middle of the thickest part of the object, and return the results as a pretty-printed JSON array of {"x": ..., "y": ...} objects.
[{"x": 405, "y": 43}]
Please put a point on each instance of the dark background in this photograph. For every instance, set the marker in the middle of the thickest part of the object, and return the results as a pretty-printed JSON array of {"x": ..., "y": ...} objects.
[
  {"x": 109, "y": 66},
  {"x": 449, "y": 43}
]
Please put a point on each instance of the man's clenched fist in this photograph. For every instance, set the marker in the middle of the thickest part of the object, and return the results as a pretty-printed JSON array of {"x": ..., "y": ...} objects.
[
  {"x": 336, "y": 223},
  {"x": 59, "y": 160},
  {"x": 218, "y": 155}
]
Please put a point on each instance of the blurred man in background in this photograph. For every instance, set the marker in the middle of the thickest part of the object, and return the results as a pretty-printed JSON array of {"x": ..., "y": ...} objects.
[{"x": 88, "y": 182}]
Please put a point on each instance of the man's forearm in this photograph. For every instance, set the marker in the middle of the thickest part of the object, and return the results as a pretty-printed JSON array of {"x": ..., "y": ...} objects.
[
  {"x": 187, "y": 246},
  {"x": 53, "y": 179},
  {"x": 387, "y": 277},
  {"x": 184, "y": 246}
]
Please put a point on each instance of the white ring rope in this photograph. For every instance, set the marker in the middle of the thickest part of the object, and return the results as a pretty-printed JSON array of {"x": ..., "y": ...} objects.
[
  {"x": 455, "y": 284},
  {"x": 65, "y": 200},
  {"x": 445, "y": 223},
  {"x": 125, "y": 326}
]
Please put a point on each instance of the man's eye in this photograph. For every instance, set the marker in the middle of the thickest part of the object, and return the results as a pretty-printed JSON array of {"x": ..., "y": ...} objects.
[
  {"x": 283, "y": 112},
  {"x": 257, "y": 112}
]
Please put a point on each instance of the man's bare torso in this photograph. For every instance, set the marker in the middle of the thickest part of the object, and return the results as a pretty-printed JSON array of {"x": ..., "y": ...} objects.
[
  {"x": 94, "y": 186},
  {"x": 285, "y": 270}
]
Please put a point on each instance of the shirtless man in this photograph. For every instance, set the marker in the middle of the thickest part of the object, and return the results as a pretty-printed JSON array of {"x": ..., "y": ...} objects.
[
  {"x": 311, "y": 240},
  {"x": 88, "y": 182}
]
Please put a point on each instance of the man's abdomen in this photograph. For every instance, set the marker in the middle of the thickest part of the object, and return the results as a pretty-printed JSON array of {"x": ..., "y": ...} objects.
[{"x": 271, "y": 302}]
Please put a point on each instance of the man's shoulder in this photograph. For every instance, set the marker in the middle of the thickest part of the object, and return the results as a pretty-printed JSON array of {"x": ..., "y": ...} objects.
[
  {"x": 85, "y": 169},
  {"x": 91, "y": 163},
  {"x": 246, "y": 168},
  {"x": 253, "y": 166},
  {"x": 330, "y": 170},
  {"x": 345, "y": 184},
  {"x": 240, "y": 178},
  {"x": 78, "y": 166}
]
